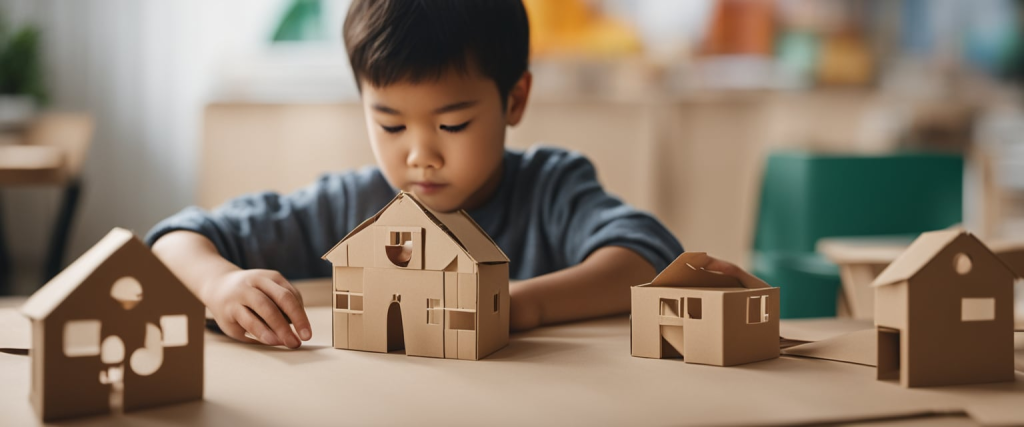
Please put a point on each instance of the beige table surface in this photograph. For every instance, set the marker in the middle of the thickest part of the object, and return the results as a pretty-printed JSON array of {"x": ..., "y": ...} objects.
[{"x": 574, "y": 374}]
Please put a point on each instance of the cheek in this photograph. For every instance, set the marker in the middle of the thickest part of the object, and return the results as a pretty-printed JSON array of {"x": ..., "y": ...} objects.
[
  {"x": 479, "y": 152},
  {"x": 390, "y": 158}
]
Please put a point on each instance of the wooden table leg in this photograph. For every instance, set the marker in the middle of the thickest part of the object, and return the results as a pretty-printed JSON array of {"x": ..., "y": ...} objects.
[
  {"x": 5, "y": 258},
  {"x": 61, "y": 230}
]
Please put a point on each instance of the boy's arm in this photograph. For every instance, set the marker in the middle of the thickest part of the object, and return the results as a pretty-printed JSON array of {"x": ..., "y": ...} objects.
[
  {"x": 599, "y": 286},
  {"x": 236, "y": 257},
  {"x": 241, "y": 300}
]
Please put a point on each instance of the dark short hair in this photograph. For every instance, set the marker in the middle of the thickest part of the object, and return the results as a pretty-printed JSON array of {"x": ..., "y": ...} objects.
[{"x": 418, "y": 40}]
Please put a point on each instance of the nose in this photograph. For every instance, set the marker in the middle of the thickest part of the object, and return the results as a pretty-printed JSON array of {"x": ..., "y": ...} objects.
[{"x": 424, "y": 154}]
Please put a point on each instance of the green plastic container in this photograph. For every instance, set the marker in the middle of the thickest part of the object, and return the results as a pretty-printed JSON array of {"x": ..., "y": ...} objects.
[{"x": 808, "y": 196}]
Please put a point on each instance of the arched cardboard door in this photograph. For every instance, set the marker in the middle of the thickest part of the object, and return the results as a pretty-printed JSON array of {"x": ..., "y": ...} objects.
[{"x": 415, "y": 291}]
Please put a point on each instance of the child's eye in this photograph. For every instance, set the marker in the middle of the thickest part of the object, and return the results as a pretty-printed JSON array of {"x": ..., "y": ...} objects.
[
  {"x": 454, "y": 128},
  {"x": 393, "y": 129}
]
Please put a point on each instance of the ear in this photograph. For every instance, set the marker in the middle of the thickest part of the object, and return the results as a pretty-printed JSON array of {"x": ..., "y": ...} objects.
[{"x": 517, "y": 98}]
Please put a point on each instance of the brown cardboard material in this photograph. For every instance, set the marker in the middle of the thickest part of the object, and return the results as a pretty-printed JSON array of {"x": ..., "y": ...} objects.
[
  {"x": 955, "y": 296},
  {"x": 858, "y": 347},
  {"x": 703, "y": 316},
  {"x": 250, "y": 384},
  {"x": 425, "y": 281},
  {"x": 862, "y": 259},
  {"x": 115, "y": 330},
  {"x": 15, "y": 332}
]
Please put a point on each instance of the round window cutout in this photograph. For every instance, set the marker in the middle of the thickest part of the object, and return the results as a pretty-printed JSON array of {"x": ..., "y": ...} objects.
[
  {"x": 962, "y": 263},
  {"x": 127, "y": 291}
]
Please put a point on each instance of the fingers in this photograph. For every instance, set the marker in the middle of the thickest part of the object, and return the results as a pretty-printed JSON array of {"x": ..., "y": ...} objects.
[
  {"x": 699, "y": 260},
  {"x": 730, "y": 269},
  {"x": 280, "y": 280},
  {"x": 257, "y": 326},
  {"x": 288, "y": 301},
  {"x": 723, "y": 267},
  {"x": 272, "y": 316},
  {"x": 235, "y": 330}
]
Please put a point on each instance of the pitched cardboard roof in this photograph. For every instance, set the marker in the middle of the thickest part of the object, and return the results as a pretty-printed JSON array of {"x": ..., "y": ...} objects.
[
  {"x": 51, "y": 295},
  {"x": 687, "y": 271},
  {"x": 458, "y": 226},
  {"x": 921, "y": 252}
]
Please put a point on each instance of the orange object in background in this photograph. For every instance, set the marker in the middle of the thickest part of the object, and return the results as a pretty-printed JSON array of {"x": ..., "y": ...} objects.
[
  {"x": 845, "y": 60},
  {"x": 742, "y": 27},
  {"x": 574, "y": 26}
]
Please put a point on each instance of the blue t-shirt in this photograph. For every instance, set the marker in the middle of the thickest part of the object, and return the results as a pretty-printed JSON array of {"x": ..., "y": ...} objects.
[{"x": 548, "y": 213}]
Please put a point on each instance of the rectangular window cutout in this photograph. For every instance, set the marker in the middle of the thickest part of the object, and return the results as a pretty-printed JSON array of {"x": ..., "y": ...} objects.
[
  {"x": 82, "y": 338},
  {"x": 341, "y": 301},
  {"x": 694, "y": 309},
  {"x": 669, "y": 307},
  {"x": 355, "y": 302},
  {"x": 497, "y": 303},
  {"x": 757, "y": 309},
  {"x": 434, "y": 311},
  {"x": 462, "y": 320},
  {"x": 175, "y": 330},
  {"x": 977, "y": 309},
  {"x": 400, "y": 237}
]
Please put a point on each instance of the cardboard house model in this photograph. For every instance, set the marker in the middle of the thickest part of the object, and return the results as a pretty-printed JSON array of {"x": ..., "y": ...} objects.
[
  {"x": 704, "y": 316},
  {"x": 116, "y": 330},
  {"x": 433, "y": 283},
  {"x": 944, "y": 313}
]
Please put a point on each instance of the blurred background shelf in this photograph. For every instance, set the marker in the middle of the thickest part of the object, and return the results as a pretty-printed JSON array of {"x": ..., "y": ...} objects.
[{"x": 680, "y": 104}]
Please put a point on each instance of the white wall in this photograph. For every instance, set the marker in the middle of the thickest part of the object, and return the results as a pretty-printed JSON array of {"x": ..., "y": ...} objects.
[{"x": 142, "y": 69}]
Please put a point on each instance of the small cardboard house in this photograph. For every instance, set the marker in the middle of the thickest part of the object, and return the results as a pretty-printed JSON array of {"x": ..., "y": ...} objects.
[
  {"x": 116, "y": 330},
  {"x": 944, "y": 313},
  {"x": 433, "y": 283},
  {"x": 704, "y": 316}
]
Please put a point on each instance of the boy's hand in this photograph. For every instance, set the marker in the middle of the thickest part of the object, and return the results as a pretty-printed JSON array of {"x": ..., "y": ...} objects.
[
  {"x": 259, "y": 302},
  {"x": 727, "y": 268}
]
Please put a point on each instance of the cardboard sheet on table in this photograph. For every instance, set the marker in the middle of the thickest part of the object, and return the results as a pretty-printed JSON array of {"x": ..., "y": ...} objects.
[
  {"x": 811, "y": 330},
  {"x": 15, "y": 331},
  {"x": 859, "y": 347},
  {"x": 590, "y": 359}
]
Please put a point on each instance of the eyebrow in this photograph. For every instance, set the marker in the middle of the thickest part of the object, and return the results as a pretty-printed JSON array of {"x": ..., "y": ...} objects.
[{"x": 445, "y": 109}]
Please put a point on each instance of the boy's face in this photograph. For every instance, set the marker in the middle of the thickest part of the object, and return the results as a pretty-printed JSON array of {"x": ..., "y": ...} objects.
[{"x": 442, "y": 140}]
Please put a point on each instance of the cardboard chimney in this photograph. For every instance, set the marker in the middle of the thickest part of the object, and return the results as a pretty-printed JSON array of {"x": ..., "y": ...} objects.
[
  {"x": 432, "y": 283},
  {"x": 703, "y": 316},
  {"x": 944, "y": 313},
  {"x": 114, "y": 331}
]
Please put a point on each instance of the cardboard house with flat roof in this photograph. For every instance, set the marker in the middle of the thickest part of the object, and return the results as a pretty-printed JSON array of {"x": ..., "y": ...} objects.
[
  {"x": 944, "y": 313},
  {"x": 116, "y": 330},
  {"x": 703, "y": 316},
  {"x": 432, "y": 283}
]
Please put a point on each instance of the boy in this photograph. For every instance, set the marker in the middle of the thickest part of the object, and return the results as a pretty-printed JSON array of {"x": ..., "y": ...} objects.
[{"x": 440, "y": 80}]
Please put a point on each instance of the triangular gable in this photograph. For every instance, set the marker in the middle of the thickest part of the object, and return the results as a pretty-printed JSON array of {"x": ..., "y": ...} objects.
[
  {"x": 458, "y": 226},
  {"x": 51, "y": 295},
  {"x": 687, "y": 271},
  {"x": 921, "y": 252}
]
